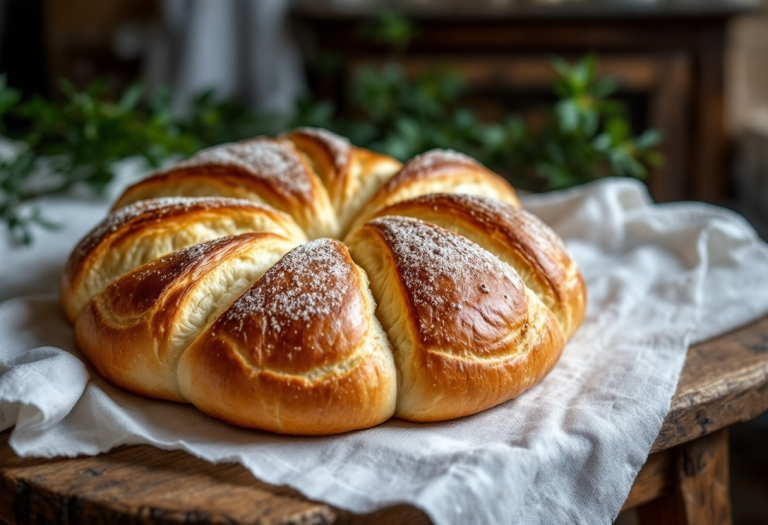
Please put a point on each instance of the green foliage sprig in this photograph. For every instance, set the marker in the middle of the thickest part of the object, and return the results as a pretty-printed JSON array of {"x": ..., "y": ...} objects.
[
  {"x": 585, "y": 135},
  {"x": 77, "y": 142}
]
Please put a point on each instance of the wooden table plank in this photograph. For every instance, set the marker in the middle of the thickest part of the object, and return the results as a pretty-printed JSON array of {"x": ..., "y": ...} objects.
[
  {"x": 142, "y": 484},
  {"x": 724, "y": 381},
  {"x": 145, "y": 485}
]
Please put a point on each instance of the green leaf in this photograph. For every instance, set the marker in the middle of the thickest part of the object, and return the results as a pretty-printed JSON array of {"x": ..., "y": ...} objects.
[
  {"x": 583, "y": 72},
  {"x": 568, "y": 115},
  {"x": 38, "y": 218},
  {"x": 602, "y": 142},
  {"x": 131, "y": 97},
  {"x": 618, "y": 129},
  {"x": 650, "y": 138},
  {"x": 561, "y": 66},
  {"x": 389, "y": 28},
  {"x": 653, "y": 158},
  {"x": 604, "y": 87}
]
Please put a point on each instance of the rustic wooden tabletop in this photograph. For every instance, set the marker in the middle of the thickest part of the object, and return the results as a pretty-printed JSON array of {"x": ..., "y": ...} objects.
[{"x": 724, "y": 381}]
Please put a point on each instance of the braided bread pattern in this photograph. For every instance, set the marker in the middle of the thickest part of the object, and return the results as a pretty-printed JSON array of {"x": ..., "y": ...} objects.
[{"x": 223, "y": 282}]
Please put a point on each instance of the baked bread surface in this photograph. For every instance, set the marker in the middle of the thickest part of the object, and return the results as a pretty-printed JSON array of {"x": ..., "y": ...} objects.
[
  {"x": 445, "y": 298},
  {"x": 303, "y": 343},
  {"x": 470, "y": 334},
  {"x": 515, "y": 236}
]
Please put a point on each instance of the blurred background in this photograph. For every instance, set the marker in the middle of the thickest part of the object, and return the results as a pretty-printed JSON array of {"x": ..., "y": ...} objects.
[{"x": 549, "y": 93}]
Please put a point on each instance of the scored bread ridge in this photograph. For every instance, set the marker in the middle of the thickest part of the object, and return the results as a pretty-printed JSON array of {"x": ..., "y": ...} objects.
[
  {"x": 515, "y": 236},
  {"x": 300, "y": 352},
  {"x": 135, "y": 331},
  {"x": 350, "y": 174},
  {"x": 467, "y": 334},
  {"x": 438, "y": 171},
  {"x": 265, "y": 170},
  {"x": 146, "y": 230}
]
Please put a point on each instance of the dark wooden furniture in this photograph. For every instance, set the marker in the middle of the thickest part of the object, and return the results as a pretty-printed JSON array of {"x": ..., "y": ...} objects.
[
  {"x": 684, "y": 481},
  {"x": 668, "y": 54}
]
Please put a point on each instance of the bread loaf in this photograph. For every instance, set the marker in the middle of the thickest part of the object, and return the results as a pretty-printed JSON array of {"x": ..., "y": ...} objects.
[{"x": 444, "y": 299}]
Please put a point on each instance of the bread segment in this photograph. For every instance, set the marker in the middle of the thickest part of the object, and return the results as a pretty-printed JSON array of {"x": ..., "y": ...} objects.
[
  {"x": 516, "y": 237},
  {"x": 351, "y": 175},
  {"x": 300, "y": 352},
  {"x": 467, "y": 333},
  {"x": 438, "y": 171},
  {"x": 135, "y": 331},
  {"x": 263, "y": 170},
  {"x": 146, "y": 230}
]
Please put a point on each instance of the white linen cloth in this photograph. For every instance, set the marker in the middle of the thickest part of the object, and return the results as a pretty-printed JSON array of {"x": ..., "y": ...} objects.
[{"x": 660, "y": 277}]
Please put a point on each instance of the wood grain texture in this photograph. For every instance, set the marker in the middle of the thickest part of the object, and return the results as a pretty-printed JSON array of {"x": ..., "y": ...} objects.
[
  {"x": 699, "y": 492},
  {"x": 145, "y": 485},
  {"x": 653, "y": 480},
  {"x": 701, "y": 474},
  {"x": 724, "y": 381}
]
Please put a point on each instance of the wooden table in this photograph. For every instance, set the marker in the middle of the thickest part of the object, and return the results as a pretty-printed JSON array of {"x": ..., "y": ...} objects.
[{"x": 685, "y": 480}]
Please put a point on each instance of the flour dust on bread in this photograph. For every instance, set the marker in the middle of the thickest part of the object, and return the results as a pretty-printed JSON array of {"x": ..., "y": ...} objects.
[
  {"x": 445, "y": 298},
  {"x": 139, "y": 233},
  {"x": 135, "y": 331},
  {"x": 300, "y": 352},
  {"x": 467, "y": 333},
  {"x": 515, "y": 236},
  {"x": 439, "y": 171}
]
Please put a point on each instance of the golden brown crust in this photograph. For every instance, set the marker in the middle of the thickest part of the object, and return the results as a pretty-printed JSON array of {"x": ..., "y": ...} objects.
[
  {"x": 438, "y": 171},
  {"x": 135, "y": 331},
  {"x": 460, "y": 387},
  {"x": 351, "y": 175},
  {"x": 515, "y": 236},
  {"x": 298, "y": 353},
  {"x": 146, "y": 230},
  {"x": 467, "y": 333},
  {"x": 330, "y": 157},
  {"x": 270, "y": 171},
  {"x": 177, "y": 299}
]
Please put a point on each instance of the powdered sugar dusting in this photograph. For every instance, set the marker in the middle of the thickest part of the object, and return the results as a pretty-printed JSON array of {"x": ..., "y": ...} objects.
[
  {"x": 436, "y": 157},
  {"x": 428, "y": 255},
  {"x": 427, "y": 163},
  {"x": 308, "y": 284},
  {"x": 275, "y": 161},
  {"x": 500, "y": 215},
  {"x": 456, "y": 288},
  {"x": 339, "y": 146}
]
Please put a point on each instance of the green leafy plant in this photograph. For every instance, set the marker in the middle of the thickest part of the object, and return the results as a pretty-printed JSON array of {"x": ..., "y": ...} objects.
[
  {"x": 77, "y": 142},
  {"x": 70, "y": 144},
  {"x": 585, "y": 135}
]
